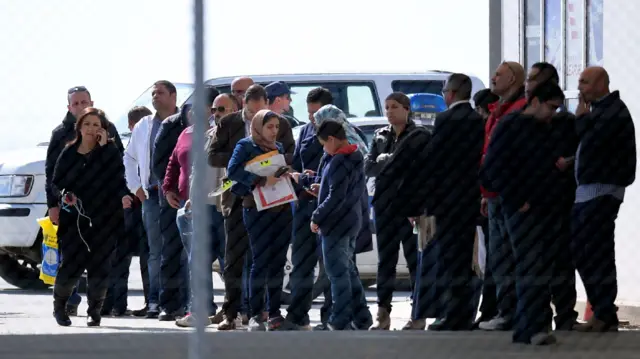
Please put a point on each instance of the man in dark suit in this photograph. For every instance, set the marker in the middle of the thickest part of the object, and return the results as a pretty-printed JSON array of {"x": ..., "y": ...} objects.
[
  {"x": 231, "y": 129},
  {"x": 451, "y": 173}
]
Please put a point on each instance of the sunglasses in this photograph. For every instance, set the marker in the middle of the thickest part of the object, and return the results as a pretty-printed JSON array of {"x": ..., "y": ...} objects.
[
  {"x": 77, "y": 89},
  {"x": 218, "y": 109}
]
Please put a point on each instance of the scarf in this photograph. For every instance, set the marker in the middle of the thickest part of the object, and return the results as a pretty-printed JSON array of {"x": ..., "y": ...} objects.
[
  {"x": 331, "y": 112},
  {"x": 257, "y": 125}
]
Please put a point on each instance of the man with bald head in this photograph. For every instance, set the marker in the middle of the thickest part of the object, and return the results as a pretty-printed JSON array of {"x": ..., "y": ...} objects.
[
  {"x": 508, "y": 84},
  {"x": 605, "y": 165},
  {"x": 239, "y": 87}
]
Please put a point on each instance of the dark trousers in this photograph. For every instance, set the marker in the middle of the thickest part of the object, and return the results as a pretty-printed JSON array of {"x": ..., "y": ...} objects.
[
  {"x": 563, "y": 283},
  {"x": 143, "y": 252},
  {"x": 455, "y": 234},
  {"x": 391, "y": 231},
  {"x": 236, "y": 248},
  {"x": 119, "y": 281},
  {"x": 76, "y": 258},
  {"x": 593, "y": 248},
  {"x": 501, "y": 260},
  {"x": 532, "y": 235},
  {"x": 269, "y": 238},
  {"x": 174, "y": 293},
  {"x": 489, "y": 305},
  {"x": 304, "y": 256}
]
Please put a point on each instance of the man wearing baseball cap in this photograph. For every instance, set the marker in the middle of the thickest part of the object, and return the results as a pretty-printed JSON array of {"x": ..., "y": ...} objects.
[{"x": 279, "y": 100}]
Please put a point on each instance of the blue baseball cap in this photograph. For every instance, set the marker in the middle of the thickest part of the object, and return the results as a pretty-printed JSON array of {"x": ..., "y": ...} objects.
[{"x": 277, "y": 89}]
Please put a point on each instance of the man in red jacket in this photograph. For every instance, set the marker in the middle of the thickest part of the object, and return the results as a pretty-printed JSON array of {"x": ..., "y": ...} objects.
[{"x": 508, "y": 84}]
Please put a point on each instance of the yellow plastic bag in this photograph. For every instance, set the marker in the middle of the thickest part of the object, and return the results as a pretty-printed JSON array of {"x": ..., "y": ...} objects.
[{"x": 50, "y": 255}]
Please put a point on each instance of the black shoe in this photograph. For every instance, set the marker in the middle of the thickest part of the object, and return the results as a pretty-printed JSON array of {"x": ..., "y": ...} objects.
[
  {"x": 93, "y": 320},
  {"x": 72, "y": 310},
  {"x": 140, "y": 312},
  {"x": 62, "y": 318},
  {"x": 170, "y": 316},
  {"x": 448, "y": 325},
  {"x": 121, "y": 313},
  {"x": 153, "y": 312}
]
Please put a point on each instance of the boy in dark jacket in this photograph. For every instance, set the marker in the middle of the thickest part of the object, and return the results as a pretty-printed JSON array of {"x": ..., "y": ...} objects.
[
  {"x": 520, "y": 166},
  {"x": 338, "y": 219}
]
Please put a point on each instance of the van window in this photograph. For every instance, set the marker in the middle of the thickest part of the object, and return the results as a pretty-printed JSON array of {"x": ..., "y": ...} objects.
[
  {"x": 355, "y": 99},
  {"x": 183, "y": 94},
  {"x": 423, "y": 86}
]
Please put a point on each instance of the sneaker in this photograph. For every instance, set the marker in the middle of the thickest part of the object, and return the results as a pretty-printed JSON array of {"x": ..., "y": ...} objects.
[
  {"x": 153, "y": 312},
  {"x": 276, "y": 323},
  {"x": 257, "y": 325},
  {"x": 320, "y": 327},
  {"x": 227, "y": 324},
  {"x": 415, "y": 324},
  {"x": 543, "y": 339},
  {"x": 497, "y": 324},
  {"x": 189, "y": 321},
  {"x": 383, "y": 320},
  {"x": 217, "y": 318}
]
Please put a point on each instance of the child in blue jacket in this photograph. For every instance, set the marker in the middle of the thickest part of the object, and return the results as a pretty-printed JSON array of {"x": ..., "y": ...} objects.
[{"x": 338, "y": 219}]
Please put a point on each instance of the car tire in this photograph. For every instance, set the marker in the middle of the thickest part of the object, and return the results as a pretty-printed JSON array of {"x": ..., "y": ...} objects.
[{"x": 21, "y": 274}]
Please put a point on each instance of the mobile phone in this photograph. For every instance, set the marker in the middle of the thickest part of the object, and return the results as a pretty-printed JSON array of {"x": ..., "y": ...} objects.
[{"x": 282, "y": 170}]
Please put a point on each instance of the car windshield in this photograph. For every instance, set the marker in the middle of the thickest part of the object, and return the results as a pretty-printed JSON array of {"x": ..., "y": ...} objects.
[{"x": 183, "y": 93}]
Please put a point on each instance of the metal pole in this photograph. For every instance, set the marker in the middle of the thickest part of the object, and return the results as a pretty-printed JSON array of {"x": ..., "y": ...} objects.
[
  {"x": 495, "y": 36},
  {"x": 200, "y": 237}
]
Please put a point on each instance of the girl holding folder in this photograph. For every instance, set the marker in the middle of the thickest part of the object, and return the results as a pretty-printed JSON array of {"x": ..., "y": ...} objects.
[{"x": 270, "y": 229}]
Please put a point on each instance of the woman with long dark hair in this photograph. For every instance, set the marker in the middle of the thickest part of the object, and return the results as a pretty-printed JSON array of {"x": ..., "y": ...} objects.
[{"x": 89, "y": 176}]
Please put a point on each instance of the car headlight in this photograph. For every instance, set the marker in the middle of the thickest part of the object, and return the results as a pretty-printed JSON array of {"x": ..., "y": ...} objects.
[{"x": 15, "y": 185}]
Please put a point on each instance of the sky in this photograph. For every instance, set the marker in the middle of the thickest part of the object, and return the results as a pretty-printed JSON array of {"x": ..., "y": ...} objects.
[{"x": 118, "y": 48}]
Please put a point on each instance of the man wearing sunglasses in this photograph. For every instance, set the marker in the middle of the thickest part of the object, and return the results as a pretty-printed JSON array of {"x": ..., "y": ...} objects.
[{"x": 78, "y": 98}]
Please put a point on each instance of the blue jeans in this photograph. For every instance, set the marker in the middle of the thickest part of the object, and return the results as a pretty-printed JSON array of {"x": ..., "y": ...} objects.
[
  {"x": 501, "y": 260},
  {"x": 151, "y": 219},
  {"x": 269, "y": 237},
  {"x": 184, "y": 222},
  {"x": 532, "y": 235},
  {"x": 346, "y": 289}
]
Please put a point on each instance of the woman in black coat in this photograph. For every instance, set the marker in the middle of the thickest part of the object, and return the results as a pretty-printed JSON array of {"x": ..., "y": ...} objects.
[{"x": 89, "y": 176}]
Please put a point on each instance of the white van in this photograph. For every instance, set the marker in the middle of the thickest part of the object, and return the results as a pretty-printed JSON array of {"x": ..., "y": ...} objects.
[{"x": 22, "y": 194}]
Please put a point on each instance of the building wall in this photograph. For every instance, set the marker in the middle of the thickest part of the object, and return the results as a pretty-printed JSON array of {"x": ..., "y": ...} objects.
[{"x": 610, "y": 41}]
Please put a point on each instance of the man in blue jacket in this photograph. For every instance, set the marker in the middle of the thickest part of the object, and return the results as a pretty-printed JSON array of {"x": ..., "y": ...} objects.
[{"x": 338, "y": 219}]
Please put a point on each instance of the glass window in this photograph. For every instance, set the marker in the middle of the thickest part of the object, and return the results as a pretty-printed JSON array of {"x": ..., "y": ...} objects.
[
  {"x": 361, "y": 101},
  {"x": 572, "y": 104},
  {"x": 355, "y": 99},
  {"x": 574, "y": 19},
  {"x": 553, "y": 33},
  {"x": 595, "y": 49},
  {"x": 411, "y": 87},
  {"x": 183, "y": 92},
  {"x": 532, "y": 32}
]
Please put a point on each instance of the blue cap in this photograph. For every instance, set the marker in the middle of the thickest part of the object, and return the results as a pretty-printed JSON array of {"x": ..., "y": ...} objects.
[{"x": 277, "y": 89}]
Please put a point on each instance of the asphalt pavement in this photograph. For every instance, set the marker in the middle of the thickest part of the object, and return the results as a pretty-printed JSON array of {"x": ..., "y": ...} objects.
[{"x": 27, "y": 330}]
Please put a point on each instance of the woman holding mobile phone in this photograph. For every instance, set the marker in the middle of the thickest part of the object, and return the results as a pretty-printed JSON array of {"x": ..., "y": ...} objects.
[
  {"x": 90, "y": 176},
  {"x": 269, "y": 230}
]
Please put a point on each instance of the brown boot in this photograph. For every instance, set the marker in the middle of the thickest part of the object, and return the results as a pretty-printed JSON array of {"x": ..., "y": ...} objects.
[
  {"x": 217, "y": 319},
  {"x": 415, "y": 324},
  {"x": 595, "y": 325},
  {"x": 383, "y": 321}
]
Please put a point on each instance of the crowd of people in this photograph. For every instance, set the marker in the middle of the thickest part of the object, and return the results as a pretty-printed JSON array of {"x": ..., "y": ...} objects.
[{"x": 545, "y": 186}]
